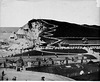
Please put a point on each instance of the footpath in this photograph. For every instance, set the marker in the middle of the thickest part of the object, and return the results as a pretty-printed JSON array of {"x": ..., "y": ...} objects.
[{"x": 31, "y": 76}]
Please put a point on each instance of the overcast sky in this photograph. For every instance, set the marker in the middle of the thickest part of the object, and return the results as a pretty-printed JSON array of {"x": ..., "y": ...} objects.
[{"x": 16, "y": 13}]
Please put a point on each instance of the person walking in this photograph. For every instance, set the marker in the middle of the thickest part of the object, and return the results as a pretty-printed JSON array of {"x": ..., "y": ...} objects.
[
  {"x": 14, "y": 78},
  {"x": 66, "y": 59},
  {"x": 43, "y": 78},
  {"x": 2, "y": 76}
]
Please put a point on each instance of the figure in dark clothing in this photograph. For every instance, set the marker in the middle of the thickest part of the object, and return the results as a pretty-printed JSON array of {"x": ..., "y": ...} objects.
[
  {"x": 82, "y": 60},
  {"x": 2, "y": 78},
  {"x": 4, "y": 64},
  {"x": 45, "y": 60},
  {"x": 7, "y": 79},
  {"x": 3, "y": 74},
  {"x": 20, "y": 63},
  {"x": 43, "y": 78},
  {"x": 51, "y": 61},
  {"x": 14, "y": 78},
  {"x": 39, "y": 63},
  {"x": 66, "y": 59}
]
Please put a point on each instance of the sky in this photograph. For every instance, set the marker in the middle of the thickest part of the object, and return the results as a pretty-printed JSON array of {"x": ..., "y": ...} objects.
[{"x": 16, "y": 13}]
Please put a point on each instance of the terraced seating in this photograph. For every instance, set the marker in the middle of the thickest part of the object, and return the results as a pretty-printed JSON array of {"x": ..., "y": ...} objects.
[
  {"x": 51, "y": 52},
  {"x": 96, "y": 50},
  {"x": 66, "y": 50},
  {"x": 89, "y": 56},
  {"x": 30, "y": 53}
]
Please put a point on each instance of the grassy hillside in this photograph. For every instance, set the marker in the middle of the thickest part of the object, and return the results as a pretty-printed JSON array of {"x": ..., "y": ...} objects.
[{"x": 64, "y": 29}]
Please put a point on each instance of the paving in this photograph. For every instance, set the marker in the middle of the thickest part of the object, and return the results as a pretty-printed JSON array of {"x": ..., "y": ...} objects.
[{"x": 32, "y": 76}]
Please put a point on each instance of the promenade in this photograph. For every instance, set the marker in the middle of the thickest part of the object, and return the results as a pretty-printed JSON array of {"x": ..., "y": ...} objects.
[{"x": 31, "y": 76}]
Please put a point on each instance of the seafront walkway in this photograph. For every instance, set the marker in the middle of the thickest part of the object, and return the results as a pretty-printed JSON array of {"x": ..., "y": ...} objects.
[{"x": 31, "y": 75}]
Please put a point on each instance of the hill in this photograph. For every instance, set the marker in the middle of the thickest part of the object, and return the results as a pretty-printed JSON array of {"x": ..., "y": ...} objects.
[{"x": 66, "y": 29}]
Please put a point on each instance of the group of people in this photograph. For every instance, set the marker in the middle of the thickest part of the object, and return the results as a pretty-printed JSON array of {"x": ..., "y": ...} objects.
[{"x": 3, "y": 77}]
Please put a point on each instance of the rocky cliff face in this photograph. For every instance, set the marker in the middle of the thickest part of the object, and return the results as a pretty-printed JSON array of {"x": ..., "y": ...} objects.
[{"x": 41, "y": 31}]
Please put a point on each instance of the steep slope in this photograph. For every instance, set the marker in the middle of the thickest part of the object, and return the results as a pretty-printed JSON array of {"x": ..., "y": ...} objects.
[{"x": 66, "y": 29}]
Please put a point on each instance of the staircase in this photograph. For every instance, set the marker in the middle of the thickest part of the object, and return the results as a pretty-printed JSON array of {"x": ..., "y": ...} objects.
[{"x": 91, "y": 52}]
